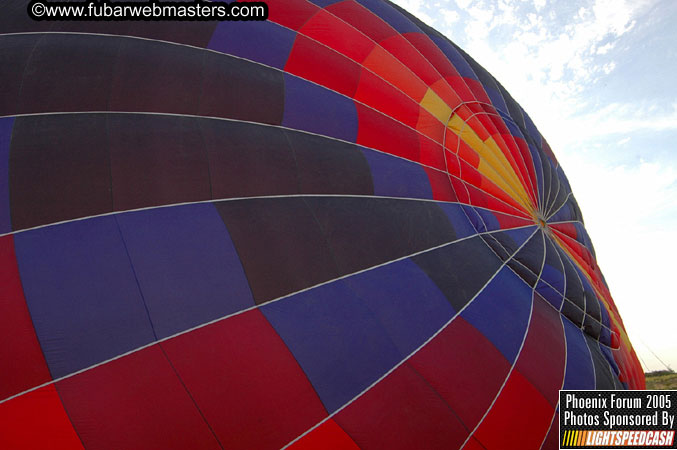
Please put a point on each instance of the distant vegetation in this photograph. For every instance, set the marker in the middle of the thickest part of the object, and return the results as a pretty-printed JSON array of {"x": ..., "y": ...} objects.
[{"x": 661, "y": 379}]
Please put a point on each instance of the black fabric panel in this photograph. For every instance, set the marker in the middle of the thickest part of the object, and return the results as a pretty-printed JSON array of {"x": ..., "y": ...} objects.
[
  {"x": 555, "y": 188},
  {"x": 14, "y": 54},
  {"x": 66, "y": 73},
  {"x": 460, "y": 269},
  {"x": 506, "y": 241},
  {"x": 248, "y": 160},
  {"x": 327, "y": 166},
  {"x": 363, "y": 232},
  {"x": 513, "y": 108},
  {"x": 154, "y": 76},
  {"x": 592, "y": 327},
  {"x": 14, "y": 19},
  {"x": 574, "y": 288},
  {"x": 592, "y": 305},
  {"x": 240, "y": 89},
  {"x": 156, "y": 160},
  {"x": 551, "y": 255},
  {"x": 280, "y": 244},
  {"x": 102, "y": 73},
  {"x": 547, "y": 182},
  {"x": 498, "y": 246},
  {"x": 531, "y": 255},
  {"x": 573, "y": 312},
  {"x": 59, "y": 169},
  {"x": 604, "y": 378},
  {"x": 524, "y": 272}
]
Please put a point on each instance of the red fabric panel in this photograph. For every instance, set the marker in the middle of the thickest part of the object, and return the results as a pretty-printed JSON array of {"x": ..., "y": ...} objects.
[
  {"x": 291, "y": 13},
  {"x": 432, "y": 153},
  {"x": 402, "y": 411},
  {"x": 362, "y": 19},
  {"x": 567, "y": 228},
  {"x": 22, "y": 365},
  {"x": 335, "y": 33},
  {"x": 431, "y": 53},
  {"x": 382, "y": 96},
  {"x": 477, "y": 89},
  {"x": 506, "y": 222},
  {"x": 441, "y": 186},
  {"x": 402, "y": 49},
  {"x": 378, "y": 131},
  {"x": 135, "y": 402},
  {"x": 465, "y": 369},
  {"x": 37, "y": 421},
  {"x": 459, "y": 86},
  {"x": 460, "y": 189},
  {"x": 472, "y": 444},
  {"x": 335, "y": 72},
  {"x": 390, "y": 69},
  {"x": 246, "y": 382},
  {"x": 519, "y": 419},
  {"x": 552, "y": 440},
  {"x": 447, "y": 93},
  {"x": 544, "y": 342},
  {"x": 431, "y": 126},
  {"x": 328, "y": 436}
]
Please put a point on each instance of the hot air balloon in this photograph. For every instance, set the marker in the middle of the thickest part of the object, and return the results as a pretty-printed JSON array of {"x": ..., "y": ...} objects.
[{"x": 328, "y": 229}]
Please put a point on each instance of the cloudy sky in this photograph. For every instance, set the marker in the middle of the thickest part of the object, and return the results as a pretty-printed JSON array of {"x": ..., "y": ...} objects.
[{"x": 598, "y": 79}]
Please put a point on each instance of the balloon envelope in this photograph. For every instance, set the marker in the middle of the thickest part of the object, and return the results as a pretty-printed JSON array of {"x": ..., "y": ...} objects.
[{"x": 330, "y": 228}]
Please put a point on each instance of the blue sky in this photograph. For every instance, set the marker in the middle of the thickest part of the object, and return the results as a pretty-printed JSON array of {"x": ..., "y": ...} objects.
[{"x": 598, "y": 79}]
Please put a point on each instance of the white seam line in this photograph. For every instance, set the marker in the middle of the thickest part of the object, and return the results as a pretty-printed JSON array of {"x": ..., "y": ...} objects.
[
  {"x": 226, "y": 119},
  {"x": 564, "y": 376},
  {"x": 406, "y": 358},
  {"x": 263, "y": 197},
  {"x": 517, "y": 356},
  {"x": 253, "y": 307}
]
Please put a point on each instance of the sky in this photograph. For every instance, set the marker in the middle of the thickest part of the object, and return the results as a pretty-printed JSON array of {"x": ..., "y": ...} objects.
[{"x": 598, "y": 79}]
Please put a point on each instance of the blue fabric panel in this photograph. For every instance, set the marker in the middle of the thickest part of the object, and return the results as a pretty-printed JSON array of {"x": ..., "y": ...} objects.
[
  {"x": 82, "y": 294},
  {"x": 261, "y": 41},
  {"x": 606, "y": 351},
  {"x": 496, "y": 99},
  {"x": 554, "y": 278},
  {"x": 458, "y": 218},
  {"x": 186, "y": 264},
  {"x": 605, "y": 336},
  {"x": 579, "y": 371},
  {"x": 313, "y": 108},
  {"x": 520, "y": 235},
  {"x": 563, "y": 179},
  {"x": 6, "y": 126},
  {"x": 501, "y": 312},
  {"x": 336, "y": 339},
  {"x": 390, "y": 15},
  {"x": 324, "y": 3},
  {"x": 548, "y": 293},
  {"x": 407, "y": 303},
  {"x": 388, "y": 174},
  {"x": 455, "y": 57},
  {"x": 563, "y": 214},
  {"x": 538, "y": 169},
  {"x": 532, "y": 130},
  {"x": 512, "y": 127},
  {"x": 605, "y": 316},
  {"x": 475, "y": 219},
  {"x": 489, "y": 219}
]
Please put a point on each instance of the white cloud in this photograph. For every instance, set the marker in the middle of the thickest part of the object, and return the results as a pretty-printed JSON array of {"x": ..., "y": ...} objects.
[
  {"x": 450, "y": 16},
  {"x": 549, "y": 59},
  {"x": 631, "y": 214}
]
